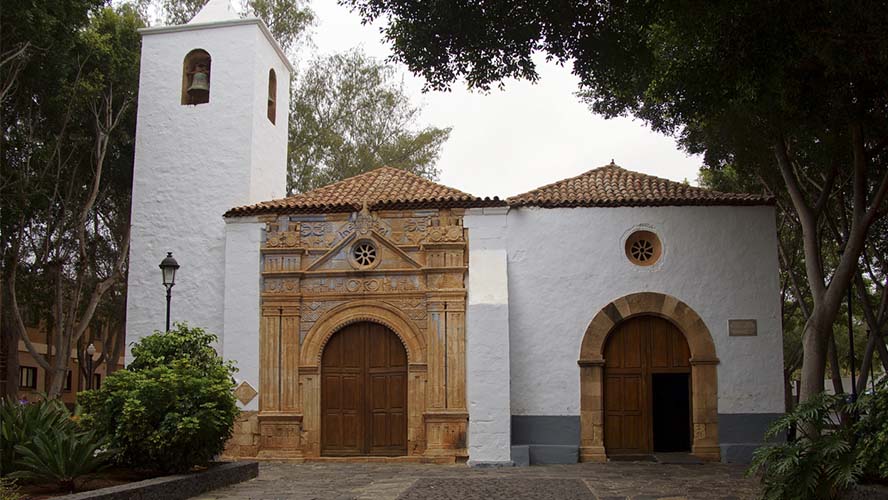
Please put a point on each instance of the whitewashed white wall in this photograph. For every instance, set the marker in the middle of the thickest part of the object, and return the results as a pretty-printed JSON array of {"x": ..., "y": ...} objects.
[
  {"x": 242, "y": 288},
  {"x": 487, "y": 338},
  {"x": 566, "y": 264},
  {"x": 193, "y": 163}
]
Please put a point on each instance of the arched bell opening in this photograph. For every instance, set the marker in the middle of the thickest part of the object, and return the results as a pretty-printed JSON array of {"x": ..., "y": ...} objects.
[
  {"x": 364, "y": 392},
  {"x": 272, "y": 96},
  {"x": 196, "y": 77}
]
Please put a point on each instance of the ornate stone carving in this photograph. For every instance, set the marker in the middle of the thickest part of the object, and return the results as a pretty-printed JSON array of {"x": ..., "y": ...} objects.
[
  {"x": 440, "y": 234},
  {"x": 415, "y": 308},
  {"x": 313, "y": 310},
  {"x": 281, "y": 285},
  {"x": 417, "y": 224},
  {"x": 281, "y": 239},
  {"x": 317, "y": 234},
  {"x": 360, "y": 285},
  {"x": 363, "y": 223}
]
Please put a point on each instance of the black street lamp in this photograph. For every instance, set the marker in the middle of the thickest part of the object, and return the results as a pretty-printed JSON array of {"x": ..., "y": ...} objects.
[
  {"x": 90, "y": 369},
  {"x": 169, "y": 265}
]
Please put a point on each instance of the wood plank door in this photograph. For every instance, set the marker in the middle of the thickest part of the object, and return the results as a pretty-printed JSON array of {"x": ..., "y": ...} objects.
[
  {"x": 386, "y": 392},
  {"x": 626, "y": 415},
  {"x": 364, "y": 393},
  {"x": 635, "y": 351}
]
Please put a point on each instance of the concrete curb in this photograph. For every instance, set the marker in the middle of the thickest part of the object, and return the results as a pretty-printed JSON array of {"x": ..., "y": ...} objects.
[{"x": 176, "y": 487}]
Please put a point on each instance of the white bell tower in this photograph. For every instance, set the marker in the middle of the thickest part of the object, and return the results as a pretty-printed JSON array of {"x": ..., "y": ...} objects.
[{"x": 211, "y": 134}]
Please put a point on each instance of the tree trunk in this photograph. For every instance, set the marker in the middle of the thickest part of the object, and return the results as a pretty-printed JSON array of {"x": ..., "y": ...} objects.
[
  {"x": 57, "y": 378},
  {"x": 9, "y": 339},
  {"x": 815, "y": 346},
  {"x": 834, "y": 368}
]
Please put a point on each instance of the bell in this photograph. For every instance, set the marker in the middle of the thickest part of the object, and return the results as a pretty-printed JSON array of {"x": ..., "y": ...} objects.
[{"x": 199, "y": 83}]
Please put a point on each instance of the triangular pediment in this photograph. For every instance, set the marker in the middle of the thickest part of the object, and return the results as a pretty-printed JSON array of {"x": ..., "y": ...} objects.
[{"x": 341, "y": 257}]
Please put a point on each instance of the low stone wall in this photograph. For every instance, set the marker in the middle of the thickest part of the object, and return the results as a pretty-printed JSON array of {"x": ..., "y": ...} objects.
[
  {"x": 177, "y": 487},
  {"x": 244, "y": 442}
]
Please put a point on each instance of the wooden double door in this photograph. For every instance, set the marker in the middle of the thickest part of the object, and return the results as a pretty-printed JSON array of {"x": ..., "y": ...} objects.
[
  {"x": 364, "y": 393},
  {"x": 647, "y": 391}
]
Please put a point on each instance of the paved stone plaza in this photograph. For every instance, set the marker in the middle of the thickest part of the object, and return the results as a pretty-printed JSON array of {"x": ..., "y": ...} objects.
[{"x": 622, "y": 480}]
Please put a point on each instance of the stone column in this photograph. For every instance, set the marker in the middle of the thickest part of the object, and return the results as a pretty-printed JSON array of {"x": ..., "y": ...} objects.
[
  {"x": 592, "y": 411},
  {"x": 280, "y": 419},
  {"x": 704, "y": 403}
]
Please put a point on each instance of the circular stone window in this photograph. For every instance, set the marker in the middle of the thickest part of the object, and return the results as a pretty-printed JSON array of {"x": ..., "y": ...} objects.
[
  {"x": 364, "y": 254},
  {"x": 643, "y": 248}
]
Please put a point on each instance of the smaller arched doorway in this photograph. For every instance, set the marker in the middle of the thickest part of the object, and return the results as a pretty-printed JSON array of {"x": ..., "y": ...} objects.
[
  {"x": 647, "y": 389},
  {"x": 364, "y": 392}
]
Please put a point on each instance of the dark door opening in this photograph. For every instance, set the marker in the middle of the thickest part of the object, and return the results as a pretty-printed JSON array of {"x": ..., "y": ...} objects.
[{"x": 672, "y": 412}]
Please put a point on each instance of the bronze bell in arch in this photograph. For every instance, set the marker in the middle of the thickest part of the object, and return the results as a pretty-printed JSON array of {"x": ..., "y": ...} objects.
[{"x": 200, "y": 81}]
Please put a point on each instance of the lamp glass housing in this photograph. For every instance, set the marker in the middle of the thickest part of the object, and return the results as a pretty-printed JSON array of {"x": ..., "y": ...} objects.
[{"x": 168, "y": 266}]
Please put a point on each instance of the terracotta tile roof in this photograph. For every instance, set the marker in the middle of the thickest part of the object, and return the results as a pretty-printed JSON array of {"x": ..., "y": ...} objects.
[
  {"x": 613, "y": 186},
  {"x": 381, "y": 188}
]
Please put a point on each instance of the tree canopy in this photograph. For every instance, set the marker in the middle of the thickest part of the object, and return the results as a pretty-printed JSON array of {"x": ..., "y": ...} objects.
[
  {"x": 349, "y": 115},
  {"x": 288, "y": 20},
  {"x": 792, "y": 93},
  {"x": 66, "y": 163}
]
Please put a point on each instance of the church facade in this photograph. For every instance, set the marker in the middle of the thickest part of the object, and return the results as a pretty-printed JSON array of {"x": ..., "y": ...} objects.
[{"x": 388, "y": 317}]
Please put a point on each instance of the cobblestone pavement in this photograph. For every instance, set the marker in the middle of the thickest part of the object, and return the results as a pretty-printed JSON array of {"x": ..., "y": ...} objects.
[{"x": 620, "y": 480}]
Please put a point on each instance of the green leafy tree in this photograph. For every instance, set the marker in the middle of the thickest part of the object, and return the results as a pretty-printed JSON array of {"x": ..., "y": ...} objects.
[
  {"x": 794, "y": 89},
  {"x": 288, "y": 20},
  {"x": 172, "y": 408},
  {"x": 349, "y": 115},
  {"x": 66, "y": 162}
]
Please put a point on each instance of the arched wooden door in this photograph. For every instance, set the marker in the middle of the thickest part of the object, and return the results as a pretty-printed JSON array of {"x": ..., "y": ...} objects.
[
  {"x": 364, "y": 393},
  {"x": 647, "y": 388}
]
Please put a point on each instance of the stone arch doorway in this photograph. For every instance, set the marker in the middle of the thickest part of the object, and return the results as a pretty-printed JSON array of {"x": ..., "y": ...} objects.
[
  {"x": 703, "y": 363},
  {"x": 364, "y": 392},
  {"x": 647, "y": 387}
]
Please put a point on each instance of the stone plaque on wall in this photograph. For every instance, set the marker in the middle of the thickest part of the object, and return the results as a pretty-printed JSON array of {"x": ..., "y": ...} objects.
[{"x": 742, "y": 327}]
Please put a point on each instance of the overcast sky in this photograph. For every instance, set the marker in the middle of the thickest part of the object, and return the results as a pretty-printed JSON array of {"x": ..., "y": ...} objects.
[{"x": 510, "y": 141}]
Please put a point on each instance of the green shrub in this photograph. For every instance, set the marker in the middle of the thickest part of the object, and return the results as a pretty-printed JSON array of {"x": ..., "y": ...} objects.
[
  {"x": 61, "y": 455},
  {"x": 9, "y": 489},
  {"x": 871, "y": 431},
  {"x": 830, "y": 455},
  {"x": 20, "y": 422},
  {"x": 173, "y": 408}
]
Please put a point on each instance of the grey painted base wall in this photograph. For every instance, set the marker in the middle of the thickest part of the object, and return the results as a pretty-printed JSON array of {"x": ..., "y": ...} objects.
[
  {"x": 546, "y": 429},
  {"x": 739, "y": 434},
  {"x": 545, "y": 439},
  {"x": 555, "y": 439}
]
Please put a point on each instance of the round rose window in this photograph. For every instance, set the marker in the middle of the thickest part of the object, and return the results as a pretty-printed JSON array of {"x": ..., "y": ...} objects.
[
  {"x": 364, "y": 254},
  {"x": 643, "y": 248}
]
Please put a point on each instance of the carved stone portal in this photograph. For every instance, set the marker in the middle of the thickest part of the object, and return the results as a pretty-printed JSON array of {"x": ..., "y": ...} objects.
[{"x": 402, "y": 269}]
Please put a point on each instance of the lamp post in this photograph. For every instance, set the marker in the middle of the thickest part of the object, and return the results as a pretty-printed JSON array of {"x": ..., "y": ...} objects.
[
  {"x": 90, "y": 351},
  {"x": 168, "y": 266}
]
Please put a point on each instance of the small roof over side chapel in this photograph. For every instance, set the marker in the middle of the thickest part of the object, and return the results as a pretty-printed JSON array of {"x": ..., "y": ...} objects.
[{"x": 613, "y": 186}]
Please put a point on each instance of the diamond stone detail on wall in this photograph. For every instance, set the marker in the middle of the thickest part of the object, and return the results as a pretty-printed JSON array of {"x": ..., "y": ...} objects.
[{"x": 245, "y": 392}]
